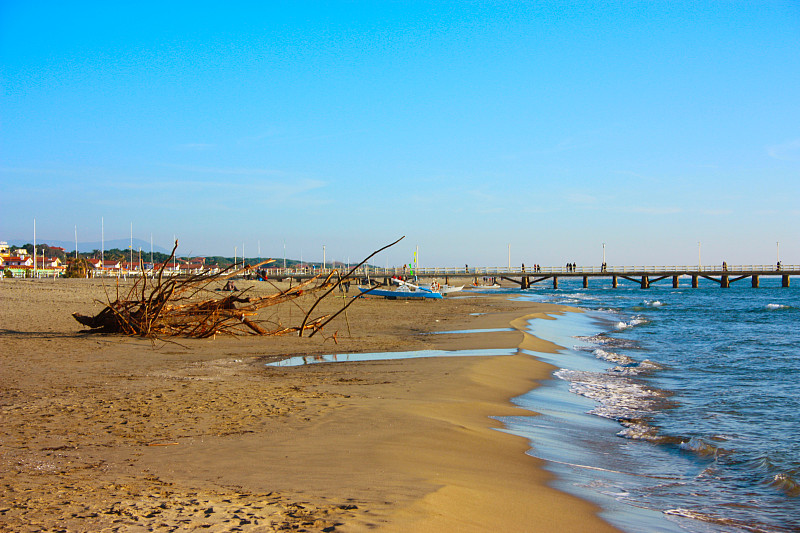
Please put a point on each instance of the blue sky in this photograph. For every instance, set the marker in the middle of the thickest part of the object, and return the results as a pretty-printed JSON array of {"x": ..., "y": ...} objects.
[{"x": 552, "y": 127}]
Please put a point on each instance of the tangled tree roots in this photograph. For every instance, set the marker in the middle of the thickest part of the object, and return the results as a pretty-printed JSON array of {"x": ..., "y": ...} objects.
[
  {"x": 77, "y": 268},
  {"x": 183, "y": 306}
]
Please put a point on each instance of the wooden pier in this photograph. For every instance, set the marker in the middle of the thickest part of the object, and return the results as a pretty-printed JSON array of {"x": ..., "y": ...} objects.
[{"x": 643, "y": 276}]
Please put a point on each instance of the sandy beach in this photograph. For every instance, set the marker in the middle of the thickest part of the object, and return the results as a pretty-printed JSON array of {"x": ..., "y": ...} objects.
[{"x": 110, "y": 433}]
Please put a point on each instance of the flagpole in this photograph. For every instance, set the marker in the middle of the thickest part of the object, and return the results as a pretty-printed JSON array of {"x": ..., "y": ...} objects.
[{"x": 34, "y": 247}]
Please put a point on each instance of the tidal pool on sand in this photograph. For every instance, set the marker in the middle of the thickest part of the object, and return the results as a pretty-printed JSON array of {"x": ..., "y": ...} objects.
[{"x": 387, "y": 356}]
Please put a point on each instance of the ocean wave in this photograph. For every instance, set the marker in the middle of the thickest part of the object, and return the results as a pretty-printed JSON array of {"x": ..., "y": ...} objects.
[
  {"x": 639, "y": 429},
  {"x": 772, "y": 475},
  {"x": 786, "y": 483},
  {"x": 618, "y": 397},
  {"x": 602, "y": 339},
  {"x": 761, "y": 464},
  {"x": 635, "y": 321},
  {"x": 774, "y": 307},
  {"x": 637, "y": 369},
  {"x": 651, "y": 365},
  {"x": 705, "y": 517},
  {"x": 612, "y": 357},
  {"x": 580, "y": 296},
  {"x": 652, "y": 303},
  {"x": 700, "y": 447}
]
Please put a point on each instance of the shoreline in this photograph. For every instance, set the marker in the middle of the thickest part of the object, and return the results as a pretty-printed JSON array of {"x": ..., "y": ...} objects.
[{"x": 206, "y": 434}]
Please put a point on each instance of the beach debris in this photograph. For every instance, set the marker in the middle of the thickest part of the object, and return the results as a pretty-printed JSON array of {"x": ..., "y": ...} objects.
[
  {"x": 78, "y": 268},
  {"x": 187, "y": 306}
]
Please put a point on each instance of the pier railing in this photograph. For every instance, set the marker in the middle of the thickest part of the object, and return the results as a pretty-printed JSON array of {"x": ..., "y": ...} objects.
[
  {"x": 549, "y": 271},
  {"x": 463, "y": 272}
]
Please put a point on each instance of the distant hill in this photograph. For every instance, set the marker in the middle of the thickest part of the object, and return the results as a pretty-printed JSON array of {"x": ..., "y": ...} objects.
[{"x": 69, "y": 246}]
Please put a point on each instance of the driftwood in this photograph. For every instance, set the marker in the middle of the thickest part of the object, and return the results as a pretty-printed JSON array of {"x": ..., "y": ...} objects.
[{"x": 186, "y": 307}]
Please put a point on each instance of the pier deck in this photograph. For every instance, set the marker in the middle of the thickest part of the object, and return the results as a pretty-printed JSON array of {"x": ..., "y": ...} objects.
[{"x": 644, "y": 276}]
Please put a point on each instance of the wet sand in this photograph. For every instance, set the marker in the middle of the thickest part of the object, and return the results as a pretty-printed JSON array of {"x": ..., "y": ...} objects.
[{"x": 102, "y": 432}]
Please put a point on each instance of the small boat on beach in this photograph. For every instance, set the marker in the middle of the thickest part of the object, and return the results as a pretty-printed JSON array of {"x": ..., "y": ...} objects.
[
  {"x": 402, "y": 292},
  {"x": 406, "y": 290},
  {"x": 447, "y": 289}
]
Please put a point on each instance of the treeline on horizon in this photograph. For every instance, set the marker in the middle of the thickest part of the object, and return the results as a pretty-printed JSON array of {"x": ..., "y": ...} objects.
[{"x": 115, "y": 254}]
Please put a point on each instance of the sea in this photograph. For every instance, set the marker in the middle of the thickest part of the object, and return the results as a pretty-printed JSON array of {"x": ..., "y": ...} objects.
[{"x": 673, "y": 410}]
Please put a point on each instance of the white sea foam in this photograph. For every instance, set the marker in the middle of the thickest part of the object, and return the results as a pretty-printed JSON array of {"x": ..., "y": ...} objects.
[
  {"x": 635, "y": 321},
  {"x": 653, "y": 303},
  {"x": 648, "y": 366},
  {"x": 700, "y": 447},
  {"x": 618, "y": 397},
  {"x": 785, "y": 482},
  {"x": 778, "y": 306},
  {"x": 612, "y": 356},
  {"x": 634, "y": 370},
  {"x": 601, "y": 339},
  {"x": 638, "y": 430},
  {"x": 580, "y": 296}
]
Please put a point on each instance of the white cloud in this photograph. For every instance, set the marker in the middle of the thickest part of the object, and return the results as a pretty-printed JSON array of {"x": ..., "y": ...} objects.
[
  {"x": 229, "y": 171},
  {"x": 788, "y": 151},
  {"x": 582, "y": 198},
  {"x": 657, "y": 210},
  {"x": 224, "y": 188},
  {"x": 636, "y": 176}
]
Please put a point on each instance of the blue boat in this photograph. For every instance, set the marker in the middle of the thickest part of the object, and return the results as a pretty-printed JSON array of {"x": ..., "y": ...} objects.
[{"x": 404, "y": 291}]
